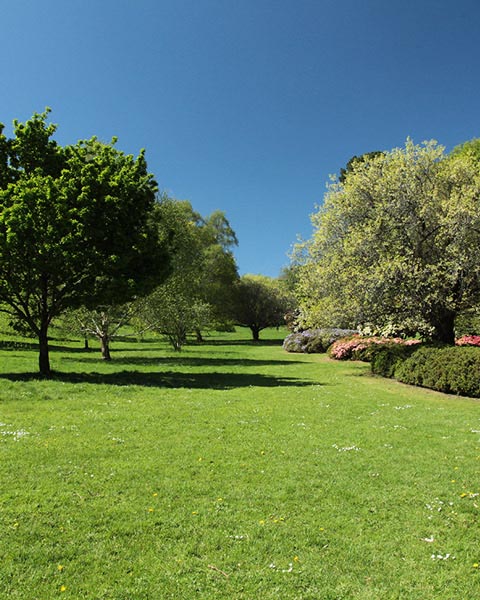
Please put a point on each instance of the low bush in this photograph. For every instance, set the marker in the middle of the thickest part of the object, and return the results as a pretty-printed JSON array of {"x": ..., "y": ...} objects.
[
  {"x": 313, "y": 340},
  {"x": 468, "y": 340},
  {"x": 363, "y": 348},
  {"x": 384, "y": 359},
  {"x": 453, "y": 370}
]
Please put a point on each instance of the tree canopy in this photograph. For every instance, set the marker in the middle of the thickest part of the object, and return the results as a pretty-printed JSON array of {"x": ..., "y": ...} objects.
[
  {"x": 198, "y": 290},
  {"x": 261, "y": 302},
  {"x": 75, "y": 226},
  {"x": 396, "y": 244}
]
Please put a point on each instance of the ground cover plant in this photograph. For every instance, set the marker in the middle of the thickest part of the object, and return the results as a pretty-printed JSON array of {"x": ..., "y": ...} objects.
[{"x": 231, "y": 470}]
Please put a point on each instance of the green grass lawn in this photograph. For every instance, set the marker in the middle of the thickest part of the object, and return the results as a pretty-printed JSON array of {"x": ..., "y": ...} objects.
[{"x": 232, "y": 470}]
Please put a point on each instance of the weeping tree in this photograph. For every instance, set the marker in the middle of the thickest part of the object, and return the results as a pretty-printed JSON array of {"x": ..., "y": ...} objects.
[
  {"x": 75, "y": 227},
  {"x": 199, "y": 289}
]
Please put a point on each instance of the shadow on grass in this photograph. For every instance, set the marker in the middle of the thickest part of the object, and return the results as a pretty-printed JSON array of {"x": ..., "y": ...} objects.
[
  {"x": 13, "y": 345},
  {"x": 260, "y": 342},
  {"x": 183, "y": 361},
  {"x": 33, "y": 347},
  {"x": 167, "y": 379}
]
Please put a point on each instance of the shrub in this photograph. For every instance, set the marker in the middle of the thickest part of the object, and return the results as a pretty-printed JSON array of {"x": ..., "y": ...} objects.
[
  {"x": 363, "y": 348},
  {"x": 313, "y": 340},
  {"x": 468, "y": 340},
  {"x": 384, "y": 359},
  {"x": 453, "y": 370}
]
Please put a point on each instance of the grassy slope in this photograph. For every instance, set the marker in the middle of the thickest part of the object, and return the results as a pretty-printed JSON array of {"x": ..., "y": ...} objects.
[{"x": 232, "y": 471}]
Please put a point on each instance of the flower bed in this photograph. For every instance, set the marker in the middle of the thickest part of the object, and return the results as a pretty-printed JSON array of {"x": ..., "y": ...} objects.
[
  {"x": 313, "y": 340},
  {"x": 361, "y": 348},
  {"x": 468, "y": 340}
]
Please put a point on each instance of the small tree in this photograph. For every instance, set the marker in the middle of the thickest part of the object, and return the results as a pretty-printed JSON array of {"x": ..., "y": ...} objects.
[
  {"x": 102, "y": 322},
  {"x": 260, "y": 302},
  {"x": 173, "y": 312}
]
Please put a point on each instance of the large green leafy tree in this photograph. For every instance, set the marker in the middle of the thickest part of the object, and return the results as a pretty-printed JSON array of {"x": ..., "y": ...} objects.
[
  {"x": 261, "y": 302},
  {"x": 396, "y": 243},
  {"x": 75, "y": 227}
]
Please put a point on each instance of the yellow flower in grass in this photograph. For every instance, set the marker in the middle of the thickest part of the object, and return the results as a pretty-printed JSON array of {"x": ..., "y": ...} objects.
[
  {"x": 63, "y": 588},
  {"x": 60, "y": 567}
]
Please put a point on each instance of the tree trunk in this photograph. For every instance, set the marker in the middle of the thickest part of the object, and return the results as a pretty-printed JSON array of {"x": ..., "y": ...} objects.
[
  {"x": 198, "y": 335},
  {"x": 105, "y": 347},
  {"x": 255, "y": 332},
  {"x": 43, "y": 357},
  {"x": 445, "y": 328},
  {"x": 85, "y": 344}
]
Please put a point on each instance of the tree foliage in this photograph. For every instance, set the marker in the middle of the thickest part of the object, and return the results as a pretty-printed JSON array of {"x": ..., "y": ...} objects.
[
  {"x": 75, "y": 226},
  {"x": 102, "y": 322},
  {"x": 396, "y": 243},
  {"x": 198, "y": 290},
  {"x": 261, "y": 302},
  {"x": 363, "y": 158}
]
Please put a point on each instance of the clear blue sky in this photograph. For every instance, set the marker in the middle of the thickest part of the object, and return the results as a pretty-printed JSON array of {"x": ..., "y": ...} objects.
[{"x": 246, "y": 105}]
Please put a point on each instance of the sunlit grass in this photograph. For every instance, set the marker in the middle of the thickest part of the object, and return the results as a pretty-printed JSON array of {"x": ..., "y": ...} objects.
[{"x": 232, "y": 470}]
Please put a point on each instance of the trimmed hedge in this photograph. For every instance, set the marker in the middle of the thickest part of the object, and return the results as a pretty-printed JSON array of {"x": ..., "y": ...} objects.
[
  {"x": 385, "y": 359},
  {"x": 453, "y": 370}
]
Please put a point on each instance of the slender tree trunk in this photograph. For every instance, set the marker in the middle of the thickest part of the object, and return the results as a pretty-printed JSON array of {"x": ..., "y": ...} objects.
[
  {"x": 255, "y": 332},
  {"x": 198, "y": 335},
  {"x": 43, "y": 357},
  {"x": 85, "y": 344},
  {"x": 105, "y": 347}
]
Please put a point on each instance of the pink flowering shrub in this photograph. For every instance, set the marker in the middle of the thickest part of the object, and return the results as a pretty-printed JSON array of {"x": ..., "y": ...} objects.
[
  {"x": 361, "y": 348},
  {"x": 468, "y": 340}
]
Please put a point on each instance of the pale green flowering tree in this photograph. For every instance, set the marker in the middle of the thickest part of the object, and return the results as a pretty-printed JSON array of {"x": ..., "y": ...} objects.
[{"x": 396, "y": 243}]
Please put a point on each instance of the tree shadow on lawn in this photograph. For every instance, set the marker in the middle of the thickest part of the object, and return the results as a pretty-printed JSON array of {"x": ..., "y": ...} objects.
[
  {"x": 256, "y": 344},
  {"x": 168, "y": 379},
  {"x": 183, "y": 361},
  {"x": 33, "y": 346}
]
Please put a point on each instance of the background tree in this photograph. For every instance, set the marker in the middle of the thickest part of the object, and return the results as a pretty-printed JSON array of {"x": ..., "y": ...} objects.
[
  {"x": 75, "y": 227},
  {"x": 103, "y": 323},
  {"x": 260, "y": 302},
  {"x": 172, "y": 311},
  {"x": 218, "y": 270},
  {"x": 203, "y": 270},
  {"x": 363, "y": 158},
  {"x": 396, "y": 243}
]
